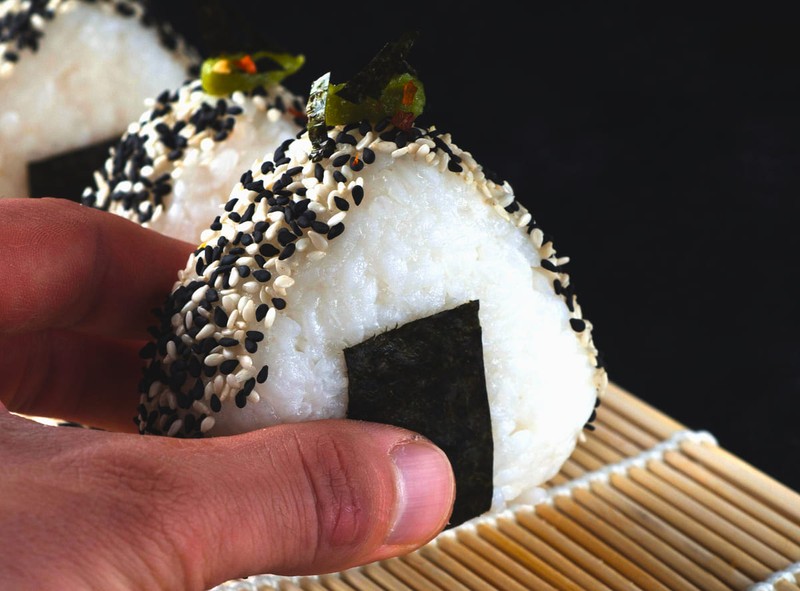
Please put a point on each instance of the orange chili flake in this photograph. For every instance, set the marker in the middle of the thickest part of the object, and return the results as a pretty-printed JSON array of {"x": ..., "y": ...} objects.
[
  {"x": 295, "y": 113},
  {"x": 246, "y": 64},
  {"x": 409, "y": 92},
  {"x": 355, "y": 159}
]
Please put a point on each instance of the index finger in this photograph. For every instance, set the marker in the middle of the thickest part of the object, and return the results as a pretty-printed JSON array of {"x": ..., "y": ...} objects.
[{"x": 72, "y": 267}]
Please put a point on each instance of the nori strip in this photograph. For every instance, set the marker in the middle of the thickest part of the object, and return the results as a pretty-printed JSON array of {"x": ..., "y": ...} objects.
[
  {"x": 315, "y": 110},
  {"x": 67, "y": 174},
  {"x": 373, "y": 78},
  {"x": 428, "y": 376}
]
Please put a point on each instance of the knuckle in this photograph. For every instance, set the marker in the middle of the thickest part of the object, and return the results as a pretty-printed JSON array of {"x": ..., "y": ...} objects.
[{"x": 339, "y": 491}]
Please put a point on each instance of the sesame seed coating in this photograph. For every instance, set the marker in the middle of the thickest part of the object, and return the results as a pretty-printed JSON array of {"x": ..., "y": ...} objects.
[
  {"x": 248, "y": 304},
  {"x": 23, "y": 24}
]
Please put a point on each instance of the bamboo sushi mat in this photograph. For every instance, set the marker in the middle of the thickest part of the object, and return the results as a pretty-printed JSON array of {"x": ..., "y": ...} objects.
[{"x": 642, "y": 503}]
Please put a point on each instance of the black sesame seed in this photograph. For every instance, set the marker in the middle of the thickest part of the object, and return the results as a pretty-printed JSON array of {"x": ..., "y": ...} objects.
[
  {"x": 216, "y": 224},
  {"x": 335, "y": 231},
  {"x": 241, "y": 400},
  {"x": 248, "y": 386},
  {"x": 368, "y": 156},
  {"x": 220, "y": 317},
  {"x": 340, "y": 160},
  {"x": 356, "y": 164},
  {"x": 215, "y": 403},
  {"x": 577, "y": 324},
  {"x": 262, "y": 275},
  {"x": 287, "y": 251},
  {"x": 261, "y": 312},
  {"x": 320, "y": 227},
  {"x": 342, "y": 204},
  {"x": 255, "y": 335},
  {"x": 267, "y": 167},
  {"x": 211, "y": 296},
  {"x": 228, "y": 366},
  {"x": 263, "y": 374},
  {"x": 319, "y": 172},
  {"x": 339, "y": 177},
  {"x": 243, "y": 270},
  {"x": 268, "y": 250},
  {"x": 358, "y": 194},
  {"x": 228, "y": 342},
  {"x": 453, "y": 166},
  {"x": 232, "y": 203},
  {"x": 250, "y": 346},
  {"x": 279, "y": 303},
  {"x": 285, "y": 237}
]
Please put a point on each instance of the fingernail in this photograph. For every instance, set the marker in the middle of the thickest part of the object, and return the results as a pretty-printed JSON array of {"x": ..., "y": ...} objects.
[{"x": 426, "y": 491}]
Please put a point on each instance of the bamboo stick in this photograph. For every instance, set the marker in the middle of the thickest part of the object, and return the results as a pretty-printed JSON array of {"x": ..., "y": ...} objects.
[
  {"x": 455, "y": 569},
  {"x": 433, "y": 572},
  {"x": 670, "y": 535},
  {"x": 592, "y": 564},
  {"x": 564, "y": 565},
  {"x": 597, "y": 547},
  {"x": 686, "y": 506},
  {"x": 529, "y": 560},
  {"x": 704, "y": 536},
  {"x": 336, "y": 583},
  {"x": 734, "y": 494},
  {"x": 499, "y": 559},
  {"x": 479, "y": 564},
  {"x": 410, "y": 576},
  {"x": 632, "y": 550},
  {"x": 641, "y": 413},
  {"x": 778, "y": 496},
  {"x": 623, "y": 427},
  {"x": 789, "y": 550},
  {"x": 380, "y": 578},
  {"x": 600, "y": 507}
]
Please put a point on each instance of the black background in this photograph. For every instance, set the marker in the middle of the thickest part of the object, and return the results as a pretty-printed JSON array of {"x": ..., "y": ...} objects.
[{"x": 660, "y": 150}]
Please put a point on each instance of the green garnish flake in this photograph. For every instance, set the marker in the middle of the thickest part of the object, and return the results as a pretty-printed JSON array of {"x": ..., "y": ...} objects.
[
  {"x": 245, "y": 72},
  {"x": 316, "y": 111},
  {"x": 387, "y": 87}
]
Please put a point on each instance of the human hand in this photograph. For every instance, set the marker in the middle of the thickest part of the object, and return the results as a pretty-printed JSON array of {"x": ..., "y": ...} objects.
[{"x": 88, "y": 508}]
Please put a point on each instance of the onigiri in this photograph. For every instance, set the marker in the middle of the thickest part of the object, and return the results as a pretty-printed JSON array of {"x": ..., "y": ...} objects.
[
  {"x": 171, "y": 168},
  {"x": 356, "y": 232},
  {"x": 73, "y": 74}
]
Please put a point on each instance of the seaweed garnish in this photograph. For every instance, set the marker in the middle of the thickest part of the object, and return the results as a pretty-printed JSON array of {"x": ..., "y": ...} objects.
[
  {"x": 428, "y": 376},
  {"x": 65, "y": 174},
  {"x": 386, "y": 88},
  {"x": 315, "y": 110},
  {"x": 225, "y": 74},
  {"x": 373, "y": 78}
]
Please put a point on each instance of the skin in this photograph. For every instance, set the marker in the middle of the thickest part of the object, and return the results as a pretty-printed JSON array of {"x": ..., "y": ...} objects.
[{"x": 105, "y": 508}]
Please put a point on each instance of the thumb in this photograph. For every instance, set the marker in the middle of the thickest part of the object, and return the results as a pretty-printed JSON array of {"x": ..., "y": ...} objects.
[{"x": 162, "y": 513}]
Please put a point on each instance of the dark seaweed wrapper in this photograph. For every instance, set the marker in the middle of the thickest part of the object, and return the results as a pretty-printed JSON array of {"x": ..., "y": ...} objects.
[
  {"x": 428, "y": 376},
  {"x": 67, "y": 174}
]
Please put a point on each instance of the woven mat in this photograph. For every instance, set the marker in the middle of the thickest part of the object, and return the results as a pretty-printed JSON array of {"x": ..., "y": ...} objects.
[{"x": 641, "y": 504}]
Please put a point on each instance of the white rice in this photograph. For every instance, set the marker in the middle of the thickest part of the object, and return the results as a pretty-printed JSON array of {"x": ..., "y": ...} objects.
[
  {"x": 85, "y": 83},
  {"x": 207, "y": 169},
  {"x": 424, "y": 241}
]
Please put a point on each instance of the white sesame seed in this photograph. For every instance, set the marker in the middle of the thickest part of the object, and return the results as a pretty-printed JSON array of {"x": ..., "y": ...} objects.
[
  {"x": 205, "y": 332},
  {"x": 214, "y": 359},
  {"x": 200, "y": 407},
  {"x": 207, "y": 424},
  {"x": 316, "y": 255},
  {"x": 232, "y": 381},
  {"x": 269, "y": 319},
  {"x": 338, "y": 218},
  {"x": 283, "y": 282},
  {"x": 174, "y": 428}
]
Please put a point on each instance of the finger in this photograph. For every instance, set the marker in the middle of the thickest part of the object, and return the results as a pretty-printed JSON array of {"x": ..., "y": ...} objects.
[
  {"x": 70, "y": 376},
  {"x": 69, "y": 266},
  {"x": 295, "y": 499}
]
